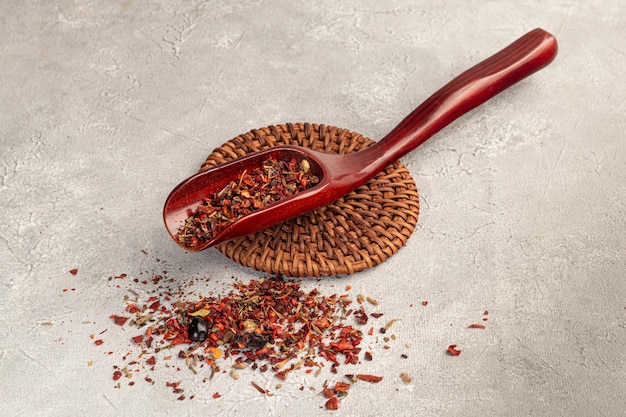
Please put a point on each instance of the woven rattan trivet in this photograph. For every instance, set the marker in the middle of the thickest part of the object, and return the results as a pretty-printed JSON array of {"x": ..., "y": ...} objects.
[{"x": 353, "y": 233}]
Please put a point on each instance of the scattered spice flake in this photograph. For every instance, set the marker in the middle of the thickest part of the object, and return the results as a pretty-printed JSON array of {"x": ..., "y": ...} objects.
[
  {"x": 332, "y": 403},
  {"x": 369, "y": 378},
  {"x": 258, "y": 388},
  {"x": 372, "y": 301},
  {"x": 216, "y": 395},
  {"x": 98, "y": 342},
  {"x": 476, "y": 326},
  {"x": 368, "y": 356},
  {"x": 328, "y": 392},
  {"x": 216, "y": 353},
  {"x": 341, "y": 387},
  {"x": 424, "y": 303},
  {"x": 361, "y": 316},
  {"x": 376, "y": 315},
  {"x": 74, "y": 271},
  {"x": 132, "y": 308},
  {"x": 453, "y": 351},
  {"x": 203, "y": 312},
  {"x": 119, "y": 320},
  {"x": 405, "y": 378},
  {"x": 175, "y": 387},
  {"x": 390, "y": 323},
  {"x": 117, "y": 374}
]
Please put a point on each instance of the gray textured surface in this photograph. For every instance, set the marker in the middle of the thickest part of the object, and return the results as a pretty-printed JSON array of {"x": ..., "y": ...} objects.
[{"x": 105, "y": 106}]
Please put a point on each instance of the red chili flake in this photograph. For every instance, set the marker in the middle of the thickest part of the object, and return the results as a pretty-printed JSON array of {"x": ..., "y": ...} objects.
[
  {"x": 376, "y": 315},
  {"x": 369, "y": 378},
  {"x": 74, "y": 271},
  {"x": 476, "y": 326},
  {"x": 368, "y": 356},
  {"x": 119, "y": 320},
  {"x": 117, "y": 375},
  {"x": 453, "y": 351},
  {"x": 181, "y": 398},
  {"x": 361, "y": 316},
  {"x": 258, "y": 388},
  {"x": 98, "y": 342},
  {"x": 332, "y": 403},
  {"x": 155, "y": 306},
  {"x": 175, "y": 387},
  {"x": 370, "y": 331},
  {"x": 341, "y": 386},
  {"x": 151, "y": 360},
  {"x": 216, "y": 395},
  {"x": 328, "y": 392},
  {"x": 138, "y": 339},
  {"x": 486, "y": 313},
  {"x": 424, "y": 303}
]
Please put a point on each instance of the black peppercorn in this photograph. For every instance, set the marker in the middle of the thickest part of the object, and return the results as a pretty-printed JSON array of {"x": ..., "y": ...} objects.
[{"x": 197, "y": 330}]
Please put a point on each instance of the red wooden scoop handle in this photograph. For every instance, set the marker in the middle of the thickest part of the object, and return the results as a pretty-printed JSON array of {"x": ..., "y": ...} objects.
[{"x": 528, "y": 54}]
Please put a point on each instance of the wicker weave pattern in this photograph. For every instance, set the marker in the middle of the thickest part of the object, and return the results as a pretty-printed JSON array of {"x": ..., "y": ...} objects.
[{"x": 356, "y": 232}]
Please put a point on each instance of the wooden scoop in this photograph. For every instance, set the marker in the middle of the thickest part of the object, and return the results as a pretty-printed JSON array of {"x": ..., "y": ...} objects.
[{"x": 340, "y": 174}]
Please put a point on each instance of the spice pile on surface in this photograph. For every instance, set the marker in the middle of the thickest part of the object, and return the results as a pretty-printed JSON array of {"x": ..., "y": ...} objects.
[
  {"x": 273, "y": 181},
  {"x": 266, "y": 325}
]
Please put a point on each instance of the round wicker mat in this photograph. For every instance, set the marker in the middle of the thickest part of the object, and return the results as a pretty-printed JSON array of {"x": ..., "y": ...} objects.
[{"x": 356, "y": 232}]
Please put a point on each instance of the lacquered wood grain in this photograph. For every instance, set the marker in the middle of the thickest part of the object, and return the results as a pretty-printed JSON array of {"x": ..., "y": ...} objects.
[{"x": 340, "y": 174}]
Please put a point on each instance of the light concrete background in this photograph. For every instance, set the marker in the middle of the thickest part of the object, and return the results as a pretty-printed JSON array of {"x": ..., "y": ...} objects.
[{"x": 106, "y": 105}]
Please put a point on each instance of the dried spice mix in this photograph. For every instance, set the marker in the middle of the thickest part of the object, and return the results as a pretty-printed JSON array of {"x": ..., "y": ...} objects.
[
  {"x": 267, "y": 325},
  {"x": 273, "y": 181}
]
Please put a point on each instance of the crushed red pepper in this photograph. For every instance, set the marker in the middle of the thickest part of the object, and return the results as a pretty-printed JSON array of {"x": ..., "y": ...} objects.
[
  {"x": 272, "y": 181},
  {"x": 332, "y": 403},
  {"x": 453, "y": 351},
  {"x": 369, "y": 378},
  {"x": 268, "y": 325}
]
